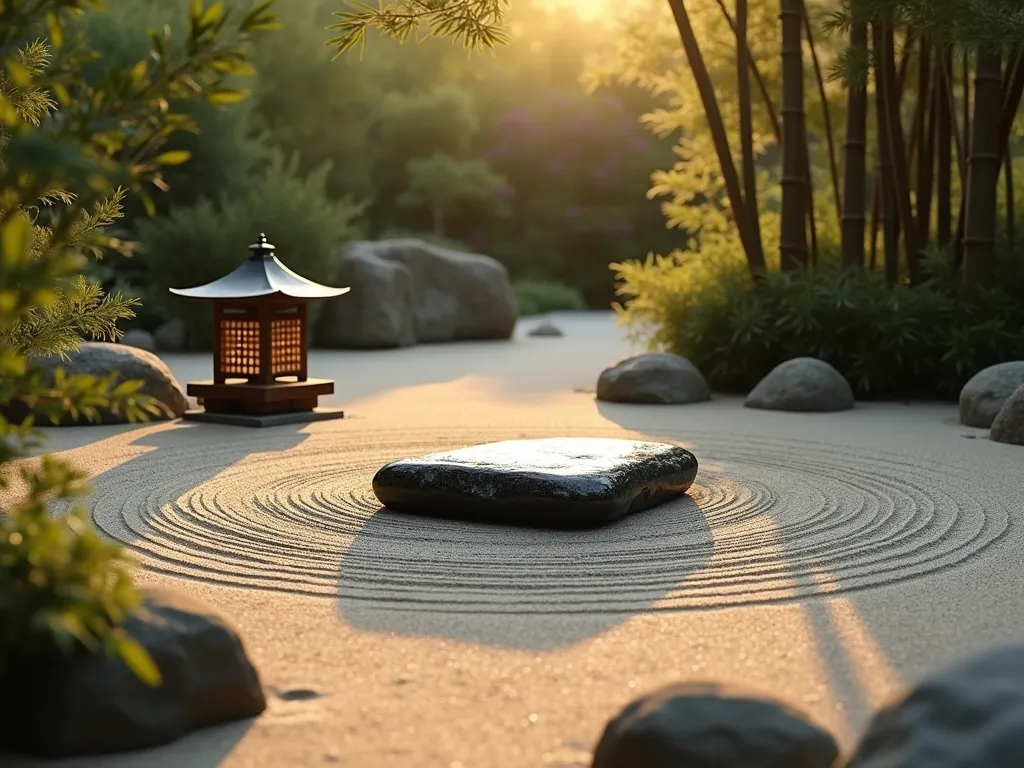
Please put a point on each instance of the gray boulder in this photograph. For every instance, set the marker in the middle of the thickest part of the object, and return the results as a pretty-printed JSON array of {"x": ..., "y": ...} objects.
[
  {"x": 171, "y": 336},
  {"x": 101, "y": 359},
  {"x": 709, "y": 725},
  {"x": 653, "y": 377},
  {"x": 969, "y": 714},
  {"x": 803, "y": 384},
  {"x": 546, "y": 331},
  {"x": 1009, "y": 424},
  {"x": 983, "y": 396},
  {"x": 452, "y": 296},
  {"x": 377, "y": 313},
  {"x": 139, "y": 339},
  {"x": 92, "y": 703}
]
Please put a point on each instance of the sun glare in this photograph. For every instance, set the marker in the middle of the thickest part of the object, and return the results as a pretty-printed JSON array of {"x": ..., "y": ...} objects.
[{"x": 587, "y": 9}]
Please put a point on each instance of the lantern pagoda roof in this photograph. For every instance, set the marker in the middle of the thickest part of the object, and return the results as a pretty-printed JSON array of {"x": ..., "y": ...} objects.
[{"x": 259, "y": 276}]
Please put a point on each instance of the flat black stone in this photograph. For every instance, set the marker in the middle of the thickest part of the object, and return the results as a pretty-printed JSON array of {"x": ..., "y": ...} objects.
[{"x": 565, "y": 482}]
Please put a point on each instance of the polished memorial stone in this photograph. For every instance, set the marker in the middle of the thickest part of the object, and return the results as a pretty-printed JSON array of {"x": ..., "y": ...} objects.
[{"x": 553, "y": 482}]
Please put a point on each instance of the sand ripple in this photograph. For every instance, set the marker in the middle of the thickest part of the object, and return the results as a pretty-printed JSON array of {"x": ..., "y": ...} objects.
[{"x": 767, "y": 520}]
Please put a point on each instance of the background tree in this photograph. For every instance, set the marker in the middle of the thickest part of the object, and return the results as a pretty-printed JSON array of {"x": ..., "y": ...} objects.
[
  {"x": 691, "y": 300},
  {"x": 577, "y": 163},
  {"x": 445, "y": 186}
]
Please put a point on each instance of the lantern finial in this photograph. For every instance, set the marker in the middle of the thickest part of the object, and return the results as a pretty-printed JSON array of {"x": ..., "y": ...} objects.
[{"x": 261, "y": 249}]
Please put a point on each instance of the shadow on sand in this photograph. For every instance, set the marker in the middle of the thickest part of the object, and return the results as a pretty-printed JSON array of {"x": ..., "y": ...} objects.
[
  {"x": 523, "y": 588},
  {"x": 208, "y": 748},
  {"x": 930, "y": 518},
  {"x": 206, "y": 450},
  {"x": 840, "y": 668},
  {"x": 195, "y": 453}
]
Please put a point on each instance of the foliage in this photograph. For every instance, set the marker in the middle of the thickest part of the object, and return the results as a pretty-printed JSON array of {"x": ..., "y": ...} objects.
[
  {"x": 322, "y": 110},
  {"x": 71, "y": 147},
  {"x": 577, "y": 165},
  {"x": 78, "y": 308},
  {"x": 649, "y": 55},
  {"x": 61, "y": 583},
  {"x": 577, "y": 170},
  {"x": 195, "y": 244},
  {"x": 420, "y": 123},
  {"x": 476, "y": 23},
  {"x": 888, "y": 341},
  {"x": 224, "y": 143},
  {"x": 424, "y": 173},
  {"x": 535, "y": 297},
  {"x": 969, "y": 23},
  {"x": 446, "y": 186}
]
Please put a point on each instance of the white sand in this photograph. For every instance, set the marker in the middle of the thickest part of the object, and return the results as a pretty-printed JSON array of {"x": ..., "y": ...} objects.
[{"x": 828, "y": 559}]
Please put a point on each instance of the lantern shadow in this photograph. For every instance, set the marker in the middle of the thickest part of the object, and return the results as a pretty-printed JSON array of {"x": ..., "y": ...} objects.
[
  {"x": 182, "y": 458},
  {"x": 524, "y": 588}
]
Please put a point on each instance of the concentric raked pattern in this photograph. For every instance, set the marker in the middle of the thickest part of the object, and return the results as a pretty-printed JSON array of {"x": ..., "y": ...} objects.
[{"x": 766, "y": 520}]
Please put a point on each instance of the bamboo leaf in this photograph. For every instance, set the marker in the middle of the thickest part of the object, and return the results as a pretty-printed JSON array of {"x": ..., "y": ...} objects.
[
  {"x": 174, "y": 157},
  {"x": 225, "y": 96},
  {"x": 138, "y": 660},
  {"x": 212, "y": 14},
  {"x": 14, "y": 236},
  {"x": 55, "y": 27}
]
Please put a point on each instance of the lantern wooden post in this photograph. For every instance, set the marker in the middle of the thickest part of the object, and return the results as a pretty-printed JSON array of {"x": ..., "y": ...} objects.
[{"x": 260, "y": 337}]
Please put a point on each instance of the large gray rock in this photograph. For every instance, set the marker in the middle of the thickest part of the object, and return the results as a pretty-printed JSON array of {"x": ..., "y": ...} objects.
[
  {"x": 93, "y": 704},
  {"x": 971, "y": 714},
  {"x": 653, "y": 377},
  {"x": 377, "y": 313},
  {"x": 705, "y": 726},
  {"x": 139, "y": 339},
  {"x": 803, "y": 384},
  {"x": 562, "y": 482},
  {"x": 983, "y": 396},
  {"x": 1009, "y": 424},
  {"x": 101, "y": 359},
  {"x": 171, "y": 336},
  {"x": 452, "y": 296}
]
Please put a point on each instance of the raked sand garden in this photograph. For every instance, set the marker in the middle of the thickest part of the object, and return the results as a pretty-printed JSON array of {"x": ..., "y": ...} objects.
[{"x": 826, "y": 559}]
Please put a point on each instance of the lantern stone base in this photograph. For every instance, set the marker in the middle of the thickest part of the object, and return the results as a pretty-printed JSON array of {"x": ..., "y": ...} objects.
[
  {"x": 267, "y": 420},
  {"x": 261, "y": 405}
]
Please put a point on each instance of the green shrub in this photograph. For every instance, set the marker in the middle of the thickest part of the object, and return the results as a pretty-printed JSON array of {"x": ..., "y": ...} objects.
[
  {"x": 63, "y": 587},
  {"x": 198, "y": 243},
  {"x": 536, "y": 297},
  {"x": 322, "y": 108},
  {"x": 62, "y": 584},
  {"x": 887, "y": 341},
  {"x": 227, "y": 144}
]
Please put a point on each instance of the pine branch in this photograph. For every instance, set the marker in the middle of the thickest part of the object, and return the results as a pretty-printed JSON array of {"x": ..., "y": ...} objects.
[{"x": 80, "y": 311}]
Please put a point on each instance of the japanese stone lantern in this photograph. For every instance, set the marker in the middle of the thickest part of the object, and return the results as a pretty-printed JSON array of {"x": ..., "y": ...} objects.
[{"x": 259, "y": 345}]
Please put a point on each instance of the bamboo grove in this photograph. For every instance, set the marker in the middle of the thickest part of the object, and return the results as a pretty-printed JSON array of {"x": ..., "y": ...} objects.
[{"x": 933, "y": 89}]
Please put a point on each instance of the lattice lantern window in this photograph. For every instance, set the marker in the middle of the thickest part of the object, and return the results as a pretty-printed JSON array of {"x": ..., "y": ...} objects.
[
  {"x": 288, "y": 342},
  {"x": 260, "y": 343},
  {"x": 238, "y": 344}
]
